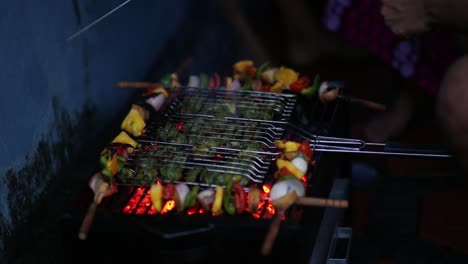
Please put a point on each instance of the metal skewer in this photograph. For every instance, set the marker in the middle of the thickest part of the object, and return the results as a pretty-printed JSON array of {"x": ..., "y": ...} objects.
[{"x": 95, "y": 22}]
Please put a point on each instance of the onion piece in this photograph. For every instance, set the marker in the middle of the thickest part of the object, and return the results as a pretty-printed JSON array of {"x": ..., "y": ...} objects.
[
  {"x": 327, "y": 95},
  {"x": 206, "y": 198},
  {"x": 194, "y": 81},
  {"x": 282, "y": 188},
  {"x": 182, "y": 191},
  {"x": 300, "y": 164},
  {"x": 156, "y": 101}
]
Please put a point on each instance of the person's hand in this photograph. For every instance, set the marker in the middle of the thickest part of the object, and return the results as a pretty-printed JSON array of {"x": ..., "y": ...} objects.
[{"x": 405, "y": 17}]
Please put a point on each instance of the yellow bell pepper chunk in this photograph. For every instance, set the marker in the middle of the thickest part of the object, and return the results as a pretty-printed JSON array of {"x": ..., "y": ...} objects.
[
  {"x": 218, "y": 201},
  {"x": 133, "y": 123},
  {"x": 279, "y": 144},
  {"x": 286, "y": 75},
  {"x": 291, "y": 146},
  {"x": 288, "y": 146},
  {"x": 280, "y": 163},
  {"x": 284, "y": 163},
  {"x": 156, "y": 192},
  {"x": 124, "y": 138},
  {"x": 277, "y": 87},
  {"x": 242, "y": 66},
  {"x": 228, "y": 82}
]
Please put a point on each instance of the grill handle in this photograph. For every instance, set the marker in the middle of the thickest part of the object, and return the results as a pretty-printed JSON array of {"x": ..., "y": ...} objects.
[
  {"x": 358, "y": 146},
  {"x": 404, "y": 149},
  {"x": 340, "y": 246}
]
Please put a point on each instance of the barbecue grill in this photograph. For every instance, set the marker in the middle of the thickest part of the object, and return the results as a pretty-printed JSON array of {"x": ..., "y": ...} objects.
[{"x": 223, "y": 134}]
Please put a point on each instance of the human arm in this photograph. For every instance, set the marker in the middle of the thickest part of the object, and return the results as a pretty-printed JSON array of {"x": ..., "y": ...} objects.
[{"x": 406, "y": 17}]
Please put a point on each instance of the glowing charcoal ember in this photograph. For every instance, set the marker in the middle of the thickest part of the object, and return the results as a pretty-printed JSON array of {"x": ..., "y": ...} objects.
[
  {"x": 192, "y": 211},
  {"x": 269, "y": 211},
  {"x": 143, "y": 206},
  {"x": 201, "y": 211},
  {"x": 266, "y": 189},
  {"x": 133, "y": 203},
  {"x": 127, "y": 209},
  {"x": 152, "y": 211},
  {"x": 258, "y": 214},
  {"x": 169, "y": 206}
]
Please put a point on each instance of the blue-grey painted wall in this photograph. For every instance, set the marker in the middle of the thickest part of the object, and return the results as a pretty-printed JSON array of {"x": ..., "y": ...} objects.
[{"x": 41, "y": 71}]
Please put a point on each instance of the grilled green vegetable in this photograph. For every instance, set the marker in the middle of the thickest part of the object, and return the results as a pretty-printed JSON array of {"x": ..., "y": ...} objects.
[
  {"x": 171, "y": 172},
  {"x": 193, "y": 174}
]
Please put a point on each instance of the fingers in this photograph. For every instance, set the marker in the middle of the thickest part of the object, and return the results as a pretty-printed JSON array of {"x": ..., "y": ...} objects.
[
  {"x": 388, "y": 13},
  {"x": 395, "y": 5}
]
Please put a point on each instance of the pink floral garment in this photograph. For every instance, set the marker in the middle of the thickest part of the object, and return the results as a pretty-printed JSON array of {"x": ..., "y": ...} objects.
[{"x": 423, "y": 58}]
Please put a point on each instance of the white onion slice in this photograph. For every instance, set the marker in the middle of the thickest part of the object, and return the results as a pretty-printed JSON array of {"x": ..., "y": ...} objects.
[
  {"x": 182, "y": 191},
  {"x": 156, "y": 102},
  {"x": 206, "y": 197},
  {"x": 300, "y": 164},
  {"x": 194, "y": 81},
  {"x": 282, "y": 188}
]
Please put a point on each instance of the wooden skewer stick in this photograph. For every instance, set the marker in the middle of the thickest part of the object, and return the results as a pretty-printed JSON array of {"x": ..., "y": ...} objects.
[
  {"x": 281, "y": 206},
  {"x": 322, "y": 202},
  {"x": 126, "y": 84},
  {"x": 364, "y": 102},
  {"x": 138, "y": 85},
  {"x": 88, "y": 220},
  {"x": 284, "y": 204},
  {"x": 101, "y": 189},
  {"x": 272, "y": 233}
]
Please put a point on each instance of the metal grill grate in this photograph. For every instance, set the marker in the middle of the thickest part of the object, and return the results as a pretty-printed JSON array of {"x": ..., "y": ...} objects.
[
  {"x": 207, "y": 137},
  {"x": 221, "y": 103}
]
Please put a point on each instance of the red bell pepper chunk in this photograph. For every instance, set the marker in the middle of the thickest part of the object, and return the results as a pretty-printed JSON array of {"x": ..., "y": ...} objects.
[
  {"x": 300, "y": 84},
  {"x": 251, "y": 71},
  {"x": 169, "y": 191},
  {"x": 305, "y": 149},
  {"x": 239, "y": 197}
]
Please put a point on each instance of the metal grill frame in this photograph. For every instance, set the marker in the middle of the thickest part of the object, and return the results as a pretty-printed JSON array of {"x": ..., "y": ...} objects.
[{"x": 256, "y": 131}]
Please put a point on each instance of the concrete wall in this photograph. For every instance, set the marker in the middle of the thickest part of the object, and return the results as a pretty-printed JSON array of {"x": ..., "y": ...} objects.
[{"x": 55, "y": 93}]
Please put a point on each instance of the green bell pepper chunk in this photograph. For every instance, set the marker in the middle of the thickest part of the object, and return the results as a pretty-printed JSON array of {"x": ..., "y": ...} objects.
[
  {"x": 287, "y": 177},
  {"x": 248, "y": 84},
  {"x": 191, "y": 198},
  {"x": 107, "y": 173},
  {"x": 228, "y": 200},
  {"x": 103, "y": 161},
  {"x": 262, "y": 69},
  {"x": 312, "y": 89},
  {"x": 204, "y": 80},
  {"x": 166, "y": 80}
]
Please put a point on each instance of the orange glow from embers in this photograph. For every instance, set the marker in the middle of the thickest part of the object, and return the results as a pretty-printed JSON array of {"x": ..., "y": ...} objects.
[
  {"x": 269, "y": 211},
  {"x": 192, "y": 211},
  {"x": 168, "y": 206},
  {"x": 266, "y": 189},
  {"x": 132, "y": 204},
  {"x": 144, "y": 205},
  {"x": 258, "y": 213}
]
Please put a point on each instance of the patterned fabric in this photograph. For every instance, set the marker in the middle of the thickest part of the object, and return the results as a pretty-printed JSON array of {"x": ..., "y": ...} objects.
[{"x": 423, "y": 59}]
